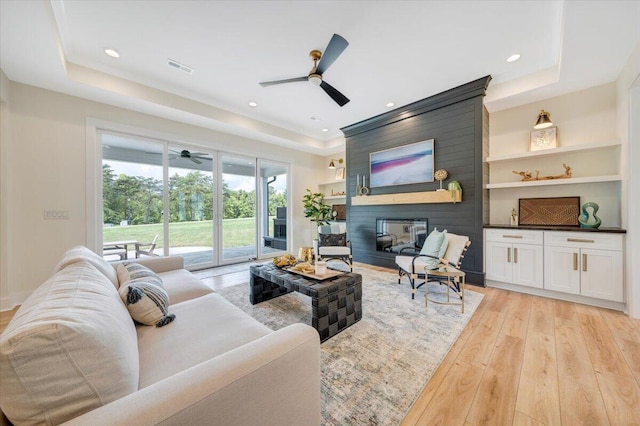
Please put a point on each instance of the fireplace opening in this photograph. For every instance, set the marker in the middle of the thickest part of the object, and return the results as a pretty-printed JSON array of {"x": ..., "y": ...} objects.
[{"x": 394, "y": 235}]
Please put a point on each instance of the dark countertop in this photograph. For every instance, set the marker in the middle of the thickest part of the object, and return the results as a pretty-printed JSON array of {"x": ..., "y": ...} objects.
[{"x": 558, "y": 228}]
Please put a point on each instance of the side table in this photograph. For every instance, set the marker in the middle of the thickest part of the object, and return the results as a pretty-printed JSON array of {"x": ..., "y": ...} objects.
[{"x": 455, "y": 281}]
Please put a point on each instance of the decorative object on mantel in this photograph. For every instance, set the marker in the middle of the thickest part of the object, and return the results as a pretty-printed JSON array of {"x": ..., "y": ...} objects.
[
  {"x": 513, "y": 220},
  {"x": 455, "y": 190},
  {"x": 440, "y": 175},
  {"x": 544, "y": 120},
  {"x": 557, "y": 211},
  {"x": 584, "y": 220},
  {"x": 543, "y": 139},
  {"x": 528, "y": 176},
  {"x": 361, "y": 189}
]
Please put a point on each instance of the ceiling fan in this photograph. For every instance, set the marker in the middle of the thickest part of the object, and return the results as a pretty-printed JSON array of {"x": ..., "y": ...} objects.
[
  {"x": 193, "y": 156},
  {"x": 321, "y": 63}
]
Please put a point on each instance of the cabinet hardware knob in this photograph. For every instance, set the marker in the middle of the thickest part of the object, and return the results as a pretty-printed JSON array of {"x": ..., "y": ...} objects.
[
  {"x": 579, "y": 240},
  {"x": 584, "y": 262},
  {"x": 575, "y": 261},
  {"x": 512, "y": 236},
  {"x": 515, "y": 255},
  {"x": 509, "y": 255}
]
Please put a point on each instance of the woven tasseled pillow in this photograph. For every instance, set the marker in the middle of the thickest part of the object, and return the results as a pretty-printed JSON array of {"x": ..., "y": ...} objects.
[
  {"x": 129, "y": 271},
  {"x": 147, "y": 302}
]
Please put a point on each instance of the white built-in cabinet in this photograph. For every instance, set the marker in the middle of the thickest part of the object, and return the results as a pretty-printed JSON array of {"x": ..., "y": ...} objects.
[
  {"x": 587, "y": 264},
  {"x": 584, "y": 264},
  {"x": 514, "y": 256}
]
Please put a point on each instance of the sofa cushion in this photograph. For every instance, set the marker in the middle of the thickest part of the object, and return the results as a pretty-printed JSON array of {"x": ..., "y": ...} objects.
[
  {"x": 70, "y": 348},
  {"x": 147, "y": 302},
  {"x": 83, "y": 254},
  {"x": 207, "y": 327},
  {"x": 129, "y": 271},
  {"x": 182, "y": 285}
]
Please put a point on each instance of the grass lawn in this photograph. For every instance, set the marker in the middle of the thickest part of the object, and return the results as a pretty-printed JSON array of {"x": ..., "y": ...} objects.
[{"x": 237, "y": 232}]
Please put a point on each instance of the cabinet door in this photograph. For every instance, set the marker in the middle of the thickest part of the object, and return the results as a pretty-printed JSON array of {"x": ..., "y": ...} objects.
[
  {"x": 562, "y": 269},
  {"x": 527, "y": 263},
  {"x": 498, "y": 260},
  {"x": 601, "y": 274}
]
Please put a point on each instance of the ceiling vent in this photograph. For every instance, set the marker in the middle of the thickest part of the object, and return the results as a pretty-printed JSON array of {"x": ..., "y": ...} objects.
[{"x": 179, "y": 66}]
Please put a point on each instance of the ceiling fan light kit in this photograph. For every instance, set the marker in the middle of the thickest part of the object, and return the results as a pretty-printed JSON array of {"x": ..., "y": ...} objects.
[{"x": 321, "y": 63}]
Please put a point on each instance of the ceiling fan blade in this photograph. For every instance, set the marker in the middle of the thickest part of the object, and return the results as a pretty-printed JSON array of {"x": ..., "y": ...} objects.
[
  {"x": 340, "y": 99},
  {"x": 336, "y": 46},
  {"x": 173, "y": 156},
  {"x": 289, "y": 80},
  {"x": 195, "y": 160}
]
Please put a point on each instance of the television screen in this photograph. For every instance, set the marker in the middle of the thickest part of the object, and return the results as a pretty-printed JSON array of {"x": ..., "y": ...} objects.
[{"x": 403, "y": 165}]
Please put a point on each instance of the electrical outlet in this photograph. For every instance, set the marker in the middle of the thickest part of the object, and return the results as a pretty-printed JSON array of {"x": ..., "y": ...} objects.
[{"x": 56, "y": 214}]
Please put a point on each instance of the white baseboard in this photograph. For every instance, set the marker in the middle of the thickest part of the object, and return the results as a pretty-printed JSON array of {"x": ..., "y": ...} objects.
[
  {"x": 576, "y": 298},
  {"x": 8, "y": 303}
]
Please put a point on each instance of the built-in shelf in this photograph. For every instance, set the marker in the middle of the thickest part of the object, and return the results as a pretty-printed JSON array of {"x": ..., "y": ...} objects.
[
  {"x": 567, "y": 181},
  {"x": 334, "y": 197},
  {"x": 406, "y": 198},
  {"x": 554, "y": 151},
  {"x": 331, "y": 182}
]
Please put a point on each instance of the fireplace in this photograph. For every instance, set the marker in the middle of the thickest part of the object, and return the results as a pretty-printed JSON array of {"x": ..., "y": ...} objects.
[{"x": 394, "y": 235}]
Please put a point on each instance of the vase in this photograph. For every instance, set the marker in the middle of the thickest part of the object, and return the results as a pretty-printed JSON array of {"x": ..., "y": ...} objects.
[{"x": 585, "y": 221}]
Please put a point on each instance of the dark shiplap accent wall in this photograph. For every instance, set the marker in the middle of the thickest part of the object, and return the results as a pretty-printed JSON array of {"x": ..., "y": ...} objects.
[{"x": 456, "y": 119}]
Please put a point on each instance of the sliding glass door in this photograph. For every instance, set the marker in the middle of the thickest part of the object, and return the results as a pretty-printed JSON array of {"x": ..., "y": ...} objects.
[
  {"x": 161, "y": 198},
  {"x": 238, "y": 208},
  {"x": 191, "y": 206}
]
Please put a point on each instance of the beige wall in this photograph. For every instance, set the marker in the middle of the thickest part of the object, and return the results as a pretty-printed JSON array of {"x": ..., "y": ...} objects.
[
  {"x": 587, "y": 116},
  {"x": 4, "y": 143},
  {"x": 44, "y": 145}
]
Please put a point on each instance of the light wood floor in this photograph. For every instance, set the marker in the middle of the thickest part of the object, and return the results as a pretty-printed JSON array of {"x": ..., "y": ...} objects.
[{"x": 525, "y": 360}]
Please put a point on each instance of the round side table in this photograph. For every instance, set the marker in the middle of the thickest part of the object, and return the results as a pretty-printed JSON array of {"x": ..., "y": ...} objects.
[{"x": 455, "y": 281}]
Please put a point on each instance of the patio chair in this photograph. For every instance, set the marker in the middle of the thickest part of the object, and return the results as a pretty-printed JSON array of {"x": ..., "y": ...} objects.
[
  {"x": 413, "y": 266},
  {"x": 333, "y": 244},
  {"x": 146, "y": 248}
]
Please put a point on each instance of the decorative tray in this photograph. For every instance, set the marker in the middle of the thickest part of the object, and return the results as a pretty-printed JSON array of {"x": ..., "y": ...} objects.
[{"x": 331, "y": 273}]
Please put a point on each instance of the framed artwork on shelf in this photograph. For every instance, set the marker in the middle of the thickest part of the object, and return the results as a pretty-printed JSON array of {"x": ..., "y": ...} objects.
[
  {"x": 543, "y": 139},
  {"x": 340, "y": 173},
  {"x": 402, "y": 165}
]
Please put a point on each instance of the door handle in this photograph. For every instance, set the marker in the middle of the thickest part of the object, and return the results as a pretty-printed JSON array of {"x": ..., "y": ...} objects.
[
  {"x": 584, "y": 262},
  {"x": 509, "y": 255},
  {"x": 515, "y": 255},
  {"x": 575, "y": 261}
]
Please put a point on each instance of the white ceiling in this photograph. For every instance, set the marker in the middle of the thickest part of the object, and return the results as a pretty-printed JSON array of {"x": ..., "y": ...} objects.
[{"x": 399, "y": 52}]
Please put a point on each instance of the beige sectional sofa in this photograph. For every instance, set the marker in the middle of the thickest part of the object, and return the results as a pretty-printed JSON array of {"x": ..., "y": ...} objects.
[{"x": 73, "y": 354}]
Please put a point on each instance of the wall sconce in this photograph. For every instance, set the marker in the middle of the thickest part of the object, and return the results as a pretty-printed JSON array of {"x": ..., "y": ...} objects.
[
  {"x": 544, "y": 120},
  {"x": 332, "y": 165}
]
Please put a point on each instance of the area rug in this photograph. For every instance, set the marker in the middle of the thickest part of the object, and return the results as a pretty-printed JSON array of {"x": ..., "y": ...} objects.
[{"x": 373, "y": 371}]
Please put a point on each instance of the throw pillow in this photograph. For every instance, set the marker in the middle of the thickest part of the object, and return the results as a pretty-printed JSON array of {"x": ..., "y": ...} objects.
[
  {"x": 129, "y": 271},
  {"x": 147, "y": 303},
  {"x": 432, "y": 247},
  {"x": 333, "y": 239}
]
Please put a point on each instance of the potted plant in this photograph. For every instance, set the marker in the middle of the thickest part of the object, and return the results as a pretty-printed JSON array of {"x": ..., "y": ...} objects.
[{"x": 316, "y": 208}]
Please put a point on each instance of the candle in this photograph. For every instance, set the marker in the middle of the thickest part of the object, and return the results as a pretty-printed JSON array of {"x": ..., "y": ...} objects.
[
  {"x": 357, "y": 180},
  {"x": 364, "y": 181}
]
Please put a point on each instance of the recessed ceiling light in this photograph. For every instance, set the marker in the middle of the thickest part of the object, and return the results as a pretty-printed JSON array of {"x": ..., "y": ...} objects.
[
  {"x": 325, "y": 130},
  {"x": 112, "y": 53},
  {"x": 513, "y": 57},
  {"x": 253, "y": 104},
  {"x": 391, "y": 104}
]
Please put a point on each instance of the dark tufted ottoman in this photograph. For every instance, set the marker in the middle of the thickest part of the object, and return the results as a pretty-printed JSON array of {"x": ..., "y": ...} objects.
[{"x": 336, "y": 302}]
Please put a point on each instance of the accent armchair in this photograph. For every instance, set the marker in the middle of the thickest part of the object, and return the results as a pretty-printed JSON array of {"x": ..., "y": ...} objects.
[
  {"x": 333, "y": 244},
  {"x": 413, "y": 266}
]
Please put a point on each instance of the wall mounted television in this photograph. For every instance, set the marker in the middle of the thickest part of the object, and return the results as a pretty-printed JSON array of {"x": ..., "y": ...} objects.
[{"x": 403, "y": 165}]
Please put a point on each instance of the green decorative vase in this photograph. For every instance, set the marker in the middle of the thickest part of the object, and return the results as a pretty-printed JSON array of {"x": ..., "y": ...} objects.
[{"x": 584, "y": 220}]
